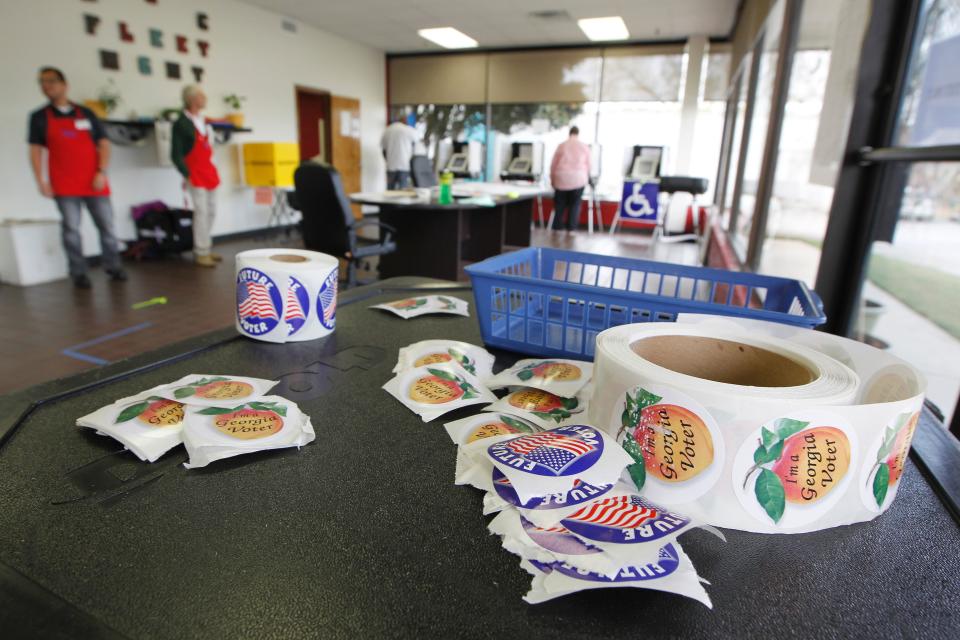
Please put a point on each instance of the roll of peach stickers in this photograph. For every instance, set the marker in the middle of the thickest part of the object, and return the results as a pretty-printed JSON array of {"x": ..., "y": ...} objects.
[
  {"x": 796, "y": 468},
  {"x": 147, "y": 424},
  {"x": 215, "y": 390},
  {"x": 214, "y": 433},
  {"x": 883, "y": 470},
  {"x": 676, "y": 445},
  {"x": 563, "y": 378},
  {"x": 433, "y": 390}
]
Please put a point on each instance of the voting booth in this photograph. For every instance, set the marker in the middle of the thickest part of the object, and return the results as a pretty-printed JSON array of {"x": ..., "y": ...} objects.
[{"x": 270, "y": 164}]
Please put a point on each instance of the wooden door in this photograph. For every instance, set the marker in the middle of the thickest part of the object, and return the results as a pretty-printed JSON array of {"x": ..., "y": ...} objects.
[
  {"x": 313, "y": 123},
  {"x": 345, "y": 143}
]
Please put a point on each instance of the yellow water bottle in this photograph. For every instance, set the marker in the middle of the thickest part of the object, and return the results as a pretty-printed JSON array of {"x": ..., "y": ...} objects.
[{"x": 446, "y": 186}]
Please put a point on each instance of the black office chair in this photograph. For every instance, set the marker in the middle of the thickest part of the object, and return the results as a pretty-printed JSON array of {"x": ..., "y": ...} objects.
[
  {"x": 421, "y": 170},
  {"x": 328, "y": 224}
]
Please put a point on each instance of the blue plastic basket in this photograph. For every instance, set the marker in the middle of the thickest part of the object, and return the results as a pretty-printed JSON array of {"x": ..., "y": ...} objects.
[{"x": 551, "y": 302}]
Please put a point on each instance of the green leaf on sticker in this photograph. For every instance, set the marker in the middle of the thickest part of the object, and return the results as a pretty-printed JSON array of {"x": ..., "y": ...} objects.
[
  {"x": 786, "y": 427},
  {"x": 282, "y": 410},
  {"x": 516, "y": 424},
  {"x": 770, "y": 494},
  {"x": 216, "y": 411},
  {"x": 881, "y": 483},
  {"x": 902, "y": 421},
  {"x": 889, "y": 437},
  {"x": 443, "y": 374},
  {"x": 767, "y": 437},
  {"x": 638, "y": 470},
  {"x": 132, "y": 411},
  {"x": 184, "y": 392},
  {"x": 764, "y": 455},
  {"x": 570, "y": 403},
  {"x": 638, "y": 473},
  {"x": 645, "y": 399},
  {"x": 625, "y": 419},
  {"x": 526, "y": 374}
]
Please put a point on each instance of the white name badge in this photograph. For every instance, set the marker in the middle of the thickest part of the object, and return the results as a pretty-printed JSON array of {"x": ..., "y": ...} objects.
[{"x": 82, "y": 124}]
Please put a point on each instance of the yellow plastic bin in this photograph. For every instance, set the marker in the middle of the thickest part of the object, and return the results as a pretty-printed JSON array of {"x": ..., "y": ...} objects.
[{"x": 270, "y": 164}]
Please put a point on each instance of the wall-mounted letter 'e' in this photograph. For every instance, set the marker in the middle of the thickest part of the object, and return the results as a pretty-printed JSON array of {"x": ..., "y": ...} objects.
[{"x": 182, "y": 44}]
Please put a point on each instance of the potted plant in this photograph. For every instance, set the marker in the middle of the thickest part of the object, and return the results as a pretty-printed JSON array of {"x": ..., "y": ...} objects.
[{"x": 235, "y": 103}]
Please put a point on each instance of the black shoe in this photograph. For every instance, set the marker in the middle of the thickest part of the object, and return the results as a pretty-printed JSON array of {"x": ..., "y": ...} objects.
[
  {"x": 82, "y": 282},
  {"x": 117, "y": 275}
]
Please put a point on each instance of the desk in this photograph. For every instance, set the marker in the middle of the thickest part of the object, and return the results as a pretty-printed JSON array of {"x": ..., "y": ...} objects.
[
  {"x": 437, "y": 241},
  {"x": 363, "y": 534}
]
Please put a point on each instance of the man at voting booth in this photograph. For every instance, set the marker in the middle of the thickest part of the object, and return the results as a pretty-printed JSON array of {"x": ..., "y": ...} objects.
[
  {"x": 192, "y": 153},
  {"x": 569, "y": 174},
  {"x": 78, "y": 153}
]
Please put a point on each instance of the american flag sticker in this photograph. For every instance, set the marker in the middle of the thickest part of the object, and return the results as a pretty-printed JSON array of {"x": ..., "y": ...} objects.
[
  {"x": 297, "y": 307},
  {"x": 558, "y": 452},
  {"x": 259, "y": 304},
  {"x": 668, "y": 561},
  {"x": 327, "y": 301},
  {"x": 624, "y": 519}
]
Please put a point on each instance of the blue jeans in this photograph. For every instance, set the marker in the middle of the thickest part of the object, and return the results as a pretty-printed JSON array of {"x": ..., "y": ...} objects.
[
  {"x": 398, "y": 179},
  {"x": 71, "y": 214}
]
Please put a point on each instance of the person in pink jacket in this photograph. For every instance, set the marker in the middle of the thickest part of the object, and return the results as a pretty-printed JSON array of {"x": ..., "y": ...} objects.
[{"x": 569, "y": 174}]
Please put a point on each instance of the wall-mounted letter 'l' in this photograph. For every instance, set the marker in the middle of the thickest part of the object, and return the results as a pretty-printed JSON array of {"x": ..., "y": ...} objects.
[
  {"x": 182, "y": 44},
  {"x": 203, "y": 45},
  {"x": 125, "y": 34}
]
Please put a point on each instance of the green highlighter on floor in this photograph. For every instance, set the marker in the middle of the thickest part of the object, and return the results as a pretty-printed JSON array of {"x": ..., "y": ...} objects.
[{"x": 446, "y": 186}]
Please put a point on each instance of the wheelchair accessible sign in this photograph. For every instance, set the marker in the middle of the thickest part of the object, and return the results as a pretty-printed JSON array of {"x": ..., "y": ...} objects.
[{"x": 639, "y": 200}]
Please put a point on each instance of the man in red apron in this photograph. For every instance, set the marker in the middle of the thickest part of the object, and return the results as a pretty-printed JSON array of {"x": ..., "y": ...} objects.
[
  {"x": 78, "y": 153},
  {"x": 192, "y": 153}
]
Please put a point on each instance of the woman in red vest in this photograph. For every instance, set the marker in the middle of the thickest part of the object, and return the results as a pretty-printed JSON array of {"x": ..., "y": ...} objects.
[
  {"x": 192, "y": 153},
  {"x": 78, "y": 153}
]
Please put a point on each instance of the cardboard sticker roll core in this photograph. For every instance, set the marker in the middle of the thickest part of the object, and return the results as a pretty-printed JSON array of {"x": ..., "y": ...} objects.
[{"x": 756, "y": 426}]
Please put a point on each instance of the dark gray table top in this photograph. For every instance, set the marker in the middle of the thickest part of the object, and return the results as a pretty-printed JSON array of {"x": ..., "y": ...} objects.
[{"x": 363, "y": 534}]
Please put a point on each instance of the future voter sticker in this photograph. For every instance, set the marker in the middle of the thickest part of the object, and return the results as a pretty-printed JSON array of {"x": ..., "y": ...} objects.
[
  {"x": 564, "y": 451},
  {"x": 258, "y": 302},
  {"x": 557, "y": 539},
  {"x": 795, "y": 468},
  {"x": 668, "y": 561},
  {"x": 327, "y": 301},
  {"x": 581, "y": 492},
  {"x": 625, "y": 519},
  {"x": 298, "y": 305},
  {"x": 675, "y": 443}
]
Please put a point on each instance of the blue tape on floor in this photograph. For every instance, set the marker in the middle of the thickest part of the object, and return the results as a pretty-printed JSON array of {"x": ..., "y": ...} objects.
[{"x": 74, "y": 351}]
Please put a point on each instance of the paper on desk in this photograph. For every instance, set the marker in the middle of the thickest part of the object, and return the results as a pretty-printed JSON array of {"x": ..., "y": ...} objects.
[
  {"x": 146, "y": 424},
  {"x": 564, "y": 378},
  {"x": 672, "y": 573},
  {"x": 473, "y": 359},
  {"x": 421, "y": 305},
  {"x": 433, "y": 390},
  {"x": 214, "y": 433},
  {"x": 206, "y": 390}
]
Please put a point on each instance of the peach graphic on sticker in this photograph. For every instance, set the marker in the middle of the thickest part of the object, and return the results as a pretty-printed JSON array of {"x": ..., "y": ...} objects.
[
  {"x": 439, "y": 357},
  {"x": 667, "y": 441},
  {"x": 892, "y": 455},
  {"x": 409, "y": 303},
  {"x": 441, "y": 387},
  {"x": 502, "y": 427},
  {"x": 217, "y": 388},
  {"x": 154, "y": 412},
  {"x": 797, "y": 464},
  {"x": 559, "y": 371},
  {"x": 544, "y": 404},
  {"x": 250, "y": 421}
]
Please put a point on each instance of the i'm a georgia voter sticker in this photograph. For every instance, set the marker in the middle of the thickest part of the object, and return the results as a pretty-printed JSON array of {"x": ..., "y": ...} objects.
[
  {"x": 327, "y": 301},
  {"x": 298, "y": 306},
  {"x": 258, "y": 302}
]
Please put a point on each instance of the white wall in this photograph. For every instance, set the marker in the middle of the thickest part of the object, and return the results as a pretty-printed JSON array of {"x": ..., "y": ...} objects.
[{"x": 250, "y": 54}]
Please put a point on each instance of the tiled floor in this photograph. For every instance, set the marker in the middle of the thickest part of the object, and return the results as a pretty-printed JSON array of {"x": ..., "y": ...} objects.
[{"x": 52, "y": 330}]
